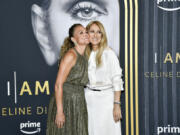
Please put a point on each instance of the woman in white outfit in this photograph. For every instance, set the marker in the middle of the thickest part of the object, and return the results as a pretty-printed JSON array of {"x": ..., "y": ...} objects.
[{"x": 105, "y": 84}]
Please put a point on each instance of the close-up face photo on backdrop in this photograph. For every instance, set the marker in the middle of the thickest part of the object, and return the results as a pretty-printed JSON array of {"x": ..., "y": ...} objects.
[{"x": 52, "y": 19}]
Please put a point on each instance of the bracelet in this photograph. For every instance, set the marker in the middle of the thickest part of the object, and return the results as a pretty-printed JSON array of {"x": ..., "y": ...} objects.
[{"x": 117, "y": 102}]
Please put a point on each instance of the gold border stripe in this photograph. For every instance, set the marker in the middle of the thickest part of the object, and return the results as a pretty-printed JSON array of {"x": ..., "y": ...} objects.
[
  {"x": 136, "y": 67},
  {"x": 131, "y": 68},
  {"x": 126, "y": 67}
]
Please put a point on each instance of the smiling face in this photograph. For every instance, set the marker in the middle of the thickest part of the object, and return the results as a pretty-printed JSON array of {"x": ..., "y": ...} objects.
[
  {"x": 80, "y": 36},
  {"x": 95, "y": 35},
  {"x": 62, "y": 14}
]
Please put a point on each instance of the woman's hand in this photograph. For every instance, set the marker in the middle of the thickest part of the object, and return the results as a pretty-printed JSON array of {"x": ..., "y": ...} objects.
[
  {"x": 117, "y": 112},
  {"x": 60, "y": 120}
]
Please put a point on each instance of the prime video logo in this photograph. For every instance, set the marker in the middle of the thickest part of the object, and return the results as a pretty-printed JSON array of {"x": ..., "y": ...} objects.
[
  {"x": 35, "y": 127},
  {"x": 168, "y": 129},
  {"x": 170, "y": 5}
]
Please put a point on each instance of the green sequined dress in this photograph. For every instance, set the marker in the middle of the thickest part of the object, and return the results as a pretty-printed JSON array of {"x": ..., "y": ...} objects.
[{"x": 74, "y": 105}]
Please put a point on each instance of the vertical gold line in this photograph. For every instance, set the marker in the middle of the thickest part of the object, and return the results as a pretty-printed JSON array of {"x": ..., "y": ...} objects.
[
  {"x": 136, "y": 67},
  {"x": 126, "y": 67},
  {"x": 131, "y": 67}
]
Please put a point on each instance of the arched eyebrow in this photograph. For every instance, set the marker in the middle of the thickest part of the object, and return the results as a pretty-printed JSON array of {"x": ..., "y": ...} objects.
[{"x": 70, "y": 3}]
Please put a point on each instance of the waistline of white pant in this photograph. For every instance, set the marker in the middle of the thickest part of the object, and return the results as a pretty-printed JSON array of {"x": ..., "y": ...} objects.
[{"x": 99, "y": 90}]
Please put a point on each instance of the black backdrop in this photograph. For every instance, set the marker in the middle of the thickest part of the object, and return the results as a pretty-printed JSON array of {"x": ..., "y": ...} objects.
[{"x": 20, "y": 54}]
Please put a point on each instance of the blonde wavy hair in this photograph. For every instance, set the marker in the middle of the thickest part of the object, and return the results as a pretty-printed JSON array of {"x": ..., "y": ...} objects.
[
  {"x": 68, "y": 44},
  {"x": 102, "y": 45}
]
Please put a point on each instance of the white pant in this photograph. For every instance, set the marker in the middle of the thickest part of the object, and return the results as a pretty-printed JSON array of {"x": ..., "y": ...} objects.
[{"x": 100, "y": 113}]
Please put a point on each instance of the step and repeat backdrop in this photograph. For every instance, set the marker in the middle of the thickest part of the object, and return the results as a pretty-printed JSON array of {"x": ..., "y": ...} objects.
[{"x": 144, "y": 34}]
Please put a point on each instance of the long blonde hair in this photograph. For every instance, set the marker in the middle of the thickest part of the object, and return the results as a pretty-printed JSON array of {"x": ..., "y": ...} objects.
[
  {"x": 102, "y": 45},
  {"x": 68, "y": 44}
]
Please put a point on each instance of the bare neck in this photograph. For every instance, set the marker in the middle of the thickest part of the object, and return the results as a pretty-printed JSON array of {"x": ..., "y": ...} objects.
[
  {"x": 80, "y": 48},
  {"x": 94, "y": 47}
]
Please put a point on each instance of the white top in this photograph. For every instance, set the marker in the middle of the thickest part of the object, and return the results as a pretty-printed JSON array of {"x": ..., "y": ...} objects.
[{"x": 108, "y": 75}]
